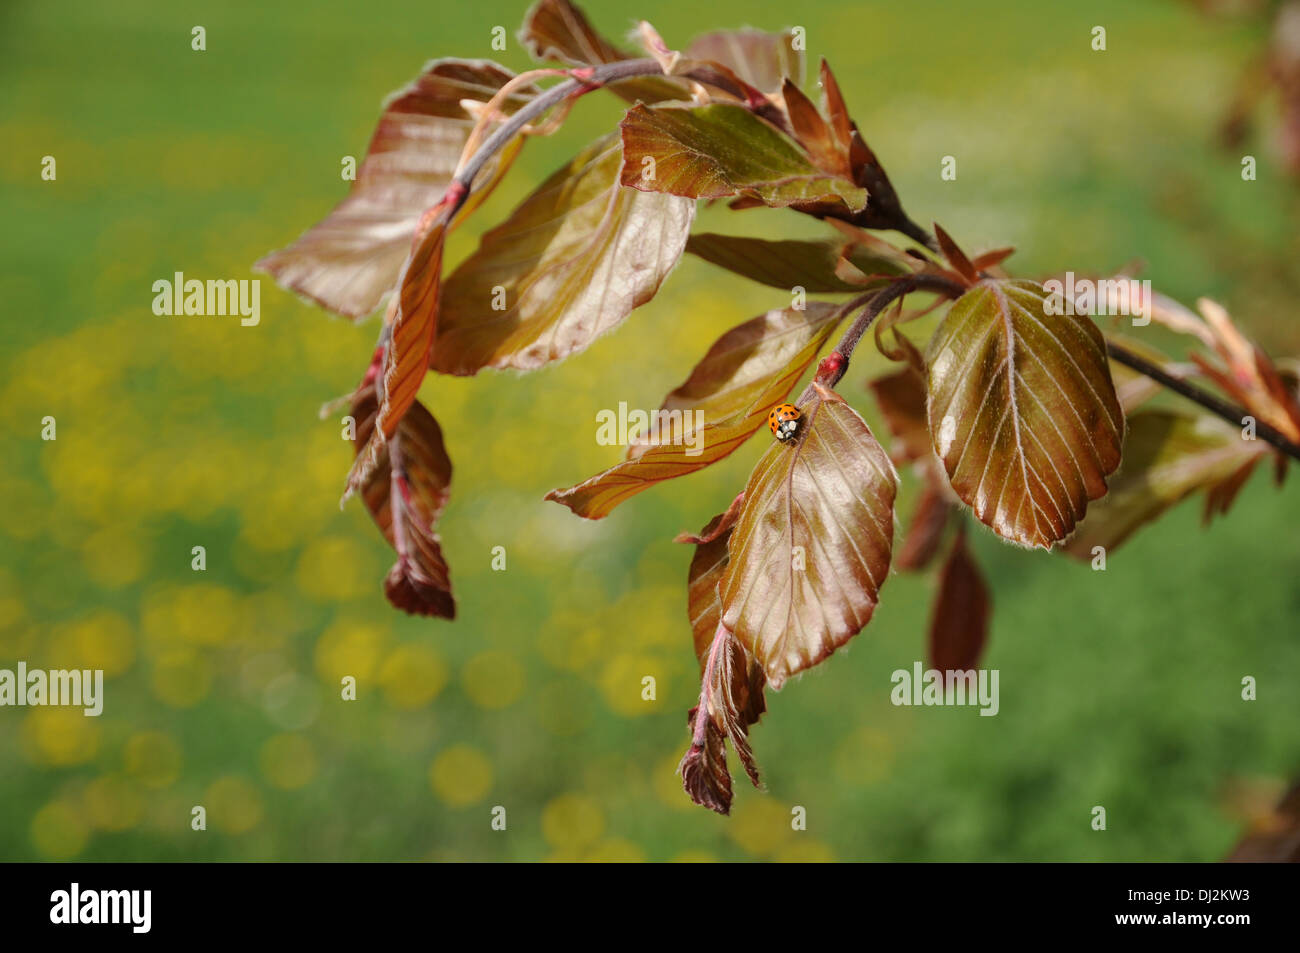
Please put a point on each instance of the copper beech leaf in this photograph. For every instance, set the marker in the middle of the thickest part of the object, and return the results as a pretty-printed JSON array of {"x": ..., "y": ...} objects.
[
  {"x": 763, "y": 60},
  {"x": 930, "y": 517},
  {"x": 811, "y": 547},
  {"x": 731, "y": 701},
  {"x": 810, "y": 265},
  {"x": 570, "y": 263},
  {"x": 707, "y": 566},
  {"x": 744, "y": 373},
  {"x": 558, "y": 31},
  {"x": 1022, "y": 411},
  {"x": 732, "y": 682},
  {"x": 412, "y": 321},
  {"x": 723, "y": 150},
  {"x": 959, "y": 624},
  {"x": 1167, "y": 457},
  {"x": 405, "y": 494},
  {"x": 351, "y": 259},
  {"x": 901, "y": 399}
]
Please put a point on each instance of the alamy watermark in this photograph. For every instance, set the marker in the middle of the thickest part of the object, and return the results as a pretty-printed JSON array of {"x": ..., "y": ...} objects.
[
  {"x": 643, "y": 428},
  {"x": 1107, "y": 296},
  {"x": 58, "y": 687},
  {"x": 130, "y": 907},
  {"x": 216, "y": 298},
  {"x": 948, "y": 687}
]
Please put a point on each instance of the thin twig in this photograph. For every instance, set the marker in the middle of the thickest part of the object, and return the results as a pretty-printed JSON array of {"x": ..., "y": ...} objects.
[
  {"x": 589, "y": 79},
  {"x": 1211, "y": 402},
  {"x": 836, "y": 363}
]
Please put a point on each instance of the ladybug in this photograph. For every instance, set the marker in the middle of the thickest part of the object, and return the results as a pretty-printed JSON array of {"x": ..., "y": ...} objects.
[{"x": 783, "y": 421}]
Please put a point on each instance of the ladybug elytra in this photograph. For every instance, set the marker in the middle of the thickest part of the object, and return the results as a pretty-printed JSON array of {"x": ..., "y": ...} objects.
[{"x": 783, "y": 421}]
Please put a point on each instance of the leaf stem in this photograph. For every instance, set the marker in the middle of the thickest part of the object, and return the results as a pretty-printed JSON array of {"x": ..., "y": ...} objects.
[
  {"x": 1216, "y": 405},
  {"x": 836, "y": 363},
  {"x": 584, "y": 80}
]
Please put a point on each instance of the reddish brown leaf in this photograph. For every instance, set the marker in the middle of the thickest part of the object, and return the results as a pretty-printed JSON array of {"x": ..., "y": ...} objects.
[
  {"x": 925, "y": 531},
  {"x": 991, "y": 259},
  {"x": 896, "y": 345},
  {"x": 1219, "y": 497},
  {"x": 405, "y": 494},
  {"x": 836, "y": 111},
  {"x": 814, "y": 134},
  {"x": 746, "y": 371},
  {"x": 717, "y": 526},
  {"x": 351, "y": 259},
  {"x": 1022, "y": 411},
  {"x": 412, "y": 323},
  {"x": 956, "y": 257},
  {"x": 707, "y": 567},
  {"x": 1167, "y": 457},
  {"x": 569, "y": 264},
  {"x": 811, "y": 265},
  {"x": 731, "y": 696},
  {"x": 763, "y": 60},
  {"x": 731, "y": 700},
  {"x": 959, "y": 627},
  {"x": 901, "y": 399},
  {"x": 723, "y": 150},
  {"x": 812, "y": 545},
  {"x": 558, "y": 31}
]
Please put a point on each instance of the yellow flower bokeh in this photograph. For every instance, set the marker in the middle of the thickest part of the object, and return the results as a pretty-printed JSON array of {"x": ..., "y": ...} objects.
[
  {"x": 460, "y": 776},
  {"x": 153, "y": 758},
  {"x": 493, "y": 679},
  {"x": 288, "y": 761},
  {"x": 234, "y": 805}
]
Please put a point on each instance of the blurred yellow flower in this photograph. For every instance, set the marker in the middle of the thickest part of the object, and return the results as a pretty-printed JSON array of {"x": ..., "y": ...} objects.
[
  {"x": 801, "y": 851},
  {"x": 101, "y": 640},
  {"x": 199, "y": 614},
  {"x": 113, "y": 803},
  {"x": 60, "y": 736},
  {"x": 493, "y": 679},
  {"x": 114, "y": 557},
  {"x": 760, "y": 825},
  {"x": 350, "y": 647},
  {"x": 59, "y": 830},
  {"x": 623, "y": 684},
  {"x": 562, "y": 708},
  {"x": 288, "y": 761},
  {"x": 460, "y": 776},
  {"x": 181, "y": 677},
  {"x": 572, "y": 821},
  {"x": 234, "y": 804},
  {"x": 336, "y": 568},
  {"x": 694, "y": 857},
  {"x": 615, "y": 850},
  {"x": 153, "y": 758},
  {"x": 668, "y": 783},
  {"x": 412, "y": 675}
]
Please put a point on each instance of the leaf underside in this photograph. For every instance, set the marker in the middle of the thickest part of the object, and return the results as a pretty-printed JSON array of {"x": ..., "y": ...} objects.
[
  {"x": 570, "y": 263},
  {"x": 745, "y": 372},
  {"x": 351, "y": 259}
]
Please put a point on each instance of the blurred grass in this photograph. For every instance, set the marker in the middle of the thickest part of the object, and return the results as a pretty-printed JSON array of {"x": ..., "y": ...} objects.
[{"x": 1118, "y": 688}]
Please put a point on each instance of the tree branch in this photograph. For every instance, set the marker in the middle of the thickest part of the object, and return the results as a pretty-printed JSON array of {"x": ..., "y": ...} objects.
[{"x": 1211, "y": 402}]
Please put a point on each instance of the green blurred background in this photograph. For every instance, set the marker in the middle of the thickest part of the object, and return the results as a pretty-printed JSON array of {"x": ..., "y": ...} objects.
[{"x": 1119, "y": 689}]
